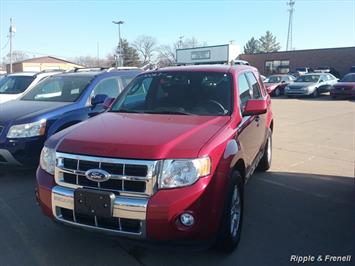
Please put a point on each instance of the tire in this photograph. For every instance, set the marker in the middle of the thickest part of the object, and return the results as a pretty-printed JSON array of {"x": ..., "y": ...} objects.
[
  {"x": 265, "y": 162},
  {"x": 315, "y": 94},
  {"x": 277, "y": 92},
  {"x": 231, "y": 223}
]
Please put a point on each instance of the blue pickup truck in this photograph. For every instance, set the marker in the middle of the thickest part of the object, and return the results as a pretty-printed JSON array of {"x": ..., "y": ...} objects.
[{"x": 54, "y": 104}]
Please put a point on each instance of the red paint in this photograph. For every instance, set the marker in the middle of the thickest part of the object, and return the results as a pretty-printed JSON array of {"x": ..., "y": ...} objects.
[{"x": 151, "y": 136}]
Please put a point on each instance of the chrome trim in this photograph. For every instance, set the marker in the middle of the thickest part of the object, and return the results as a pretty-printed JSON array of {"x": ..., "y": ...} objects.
[
  {"x": 124, "y": 207},
  {"x": 153, "y": 168}
]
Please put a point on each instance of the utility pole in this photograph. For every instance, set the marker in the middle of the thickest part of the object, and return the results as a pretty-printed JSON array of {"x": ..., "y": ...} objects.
[
  {"x": 12, "y": 30},
  {"x": 119, "y": 61},
  {"x": 291, "y": 4}
]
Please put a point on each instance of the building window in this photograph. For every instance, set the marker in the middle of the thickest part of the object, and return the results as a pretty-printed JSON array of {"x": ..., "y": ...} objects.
[{"x": 277, "y": 67}]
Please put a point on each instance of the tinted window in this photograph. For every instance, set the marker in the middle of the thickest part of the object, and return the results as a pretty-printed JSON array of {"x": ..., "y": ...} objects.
[
  {"x": 308, "y": 78},
  {"x": 197, "y": 93},
  {"x": 348, "y": 78},
  {"x": 15, "y": 84},
  {"x": 274, "y": 79},
  {"x": 108, "y": 87},
  {"x": 254, "y": 84},
  {"x": 58, "y": 89},
  {"x": 244, "y": 90}
]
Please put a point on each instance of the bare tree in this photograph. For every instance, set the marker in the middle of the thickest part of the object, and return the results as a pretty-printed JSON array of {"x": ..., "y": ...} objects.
[
  {"x": 16, "y": 56},
  {"x": 166, "y": 56},
  {"x": 87, "y": 61},
  {"x": 146, "y": 47}
]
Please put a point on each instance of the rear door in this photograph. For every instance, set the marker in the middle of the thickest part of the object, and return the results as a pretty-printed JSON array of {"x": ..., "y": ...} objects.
[
  {"x": 247, "y": 130},
  {"x": 260, "y": 120}
]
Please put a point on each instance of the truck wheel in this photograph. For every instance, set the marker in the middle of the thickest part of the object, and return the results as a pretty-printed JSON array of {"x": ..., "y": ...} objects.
[
  {"x": 231, "y": 222},
  {"x": 265, "y": 162}
]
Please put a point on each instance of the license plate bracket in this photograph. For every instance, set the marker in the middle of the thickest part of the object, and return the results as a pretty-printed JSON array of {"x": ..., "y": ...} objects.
[{"x": 93, "y": 202}]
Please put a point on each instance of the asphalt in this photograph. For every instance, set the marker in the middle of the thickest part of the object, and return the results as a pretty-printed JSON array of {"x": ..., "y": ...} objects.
[{"x": 303, "y": 206}]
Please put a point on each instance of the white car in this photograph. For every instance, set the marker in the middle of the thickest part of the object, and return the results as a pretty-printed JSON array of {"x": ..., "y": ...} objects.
[{"x": 15, "y": 85}]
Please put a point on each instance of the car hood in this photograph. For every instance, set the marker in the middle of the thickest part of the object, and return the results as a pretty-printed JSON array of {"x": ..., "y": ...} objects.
[
  {"x": 301, "y": 84},
  {"x": 140, "y": 136},
  {"x": 21, "y": 111},
  {"x": 8, "y": 97}
]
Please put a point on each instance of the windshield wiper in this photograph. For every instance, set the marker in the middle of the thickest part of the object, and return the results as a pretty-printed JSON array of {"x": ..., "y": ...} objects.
[
  {"x": 126, "y": 111},
  {"x": 172, "y": 112}
]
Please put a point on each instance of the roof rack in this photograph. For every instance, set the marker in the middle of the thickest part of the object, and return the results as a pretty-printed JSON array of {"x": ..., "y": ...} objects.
[
  {"x": 121, "y": 68},
  {"x": 79, "y": 69},
  {"x": 50, "y": 71}
]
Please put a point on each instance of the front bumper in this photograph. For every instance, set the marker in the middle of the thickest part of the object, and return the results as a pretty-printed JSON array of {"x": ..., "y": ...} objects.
[
  {"x": 343, "y": 92},
  {"x": 296, "y": 92},
  {"x": 157, "y": 215},
  {"x": 21, "y": 152}
]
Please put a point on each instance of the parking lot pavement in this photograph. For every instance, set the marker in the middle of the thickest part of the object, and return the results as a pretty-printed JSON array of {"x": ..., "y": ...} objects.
[{"x": 303, "y": 206}]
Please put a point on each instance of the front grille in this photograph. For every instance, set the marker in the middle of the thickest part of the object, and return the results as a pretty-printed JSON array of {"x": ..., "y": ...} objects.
[
  {"x": 112, "y": 223},
  {"x": 130, "y": 176}
]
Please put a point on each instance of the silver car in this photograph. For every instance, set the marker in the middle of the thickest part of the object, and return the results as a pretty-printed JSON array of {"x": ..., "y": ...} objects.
[{"x": 311, "y": 84}]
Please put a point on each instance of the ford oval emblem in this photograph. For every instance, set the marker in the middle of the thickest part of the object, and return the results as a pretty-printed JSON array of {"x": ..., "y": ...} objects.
[{"x": 97, "y": 175}]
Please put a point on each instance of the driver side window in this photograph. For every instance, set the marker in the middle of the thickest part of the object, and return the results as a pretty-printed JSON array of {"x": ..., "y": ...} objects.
[
  {"x": 108, "y": 87},
  {"x": 243, "y": 90}
]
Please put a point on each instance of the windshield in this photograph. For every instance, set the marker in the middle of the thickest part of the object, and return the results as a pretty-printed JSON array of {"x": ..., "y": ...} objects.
[
  {"x": 308, "y": 78},
  {"x": 183, "y": 93},
  {"x": 348, "y": 78},
  {"x": 15, "y": 84},
  {"x": 58, "y": 89},
  {"x": 274, "y": 79}
]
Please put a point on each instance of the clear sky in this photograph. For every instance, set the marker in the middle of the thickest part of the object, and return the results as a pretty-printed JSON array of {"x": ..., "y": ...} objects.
[{"x": 70, "y": 28}]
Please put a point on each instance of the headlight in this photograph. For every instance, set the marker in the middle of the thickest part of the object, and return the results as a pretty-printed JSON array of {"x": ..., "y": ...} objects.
[
  {"x": 27, "y": 130},
  {"x": 181, "y": 173},
  {"x": 47, "y": 160}
]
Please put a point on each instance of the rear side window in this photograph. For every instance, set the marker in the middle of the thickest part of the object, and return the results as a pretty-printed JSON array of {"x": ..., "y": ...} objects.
[
  {"x": 255, "y": 85},
  {"x": 244, "y": 90},
  {"x": 108, "y": 87}
]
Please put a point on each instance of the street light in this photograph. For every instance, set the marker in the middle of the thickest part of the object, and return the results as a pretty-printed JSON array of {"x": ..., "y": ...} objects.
[{"x": 119, "y": 61}]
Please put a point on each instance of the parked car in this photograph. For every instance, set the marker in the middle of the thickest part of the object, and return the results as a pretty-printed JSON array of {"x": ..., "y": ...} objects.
[
  {"x": 276, "y": 84},
  {"x": 241, "y": 62},
  {"x": 167, "y": 162},
  {"x": 13, "y": 86},
  {"x": 345, "y": 87},
  {"x": 303, "y": 70},
  {"x": 53, "y": 104},
  {"x": 311, "y": 84}
]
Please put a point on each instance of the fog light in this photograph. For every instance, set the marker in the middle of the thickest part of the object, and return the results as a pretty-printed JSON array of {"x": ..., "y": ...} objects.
[{"x": 187, "y": 219}]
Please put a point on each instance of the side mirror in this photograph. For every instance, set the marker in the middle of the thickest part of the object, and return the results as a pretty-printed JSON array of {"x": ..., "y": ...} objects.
[
  {"x": 255, "y": 107},
  {"x": 283, "y": 81},
  {"x": 108, "y": 102},
  {"x": 97, "y": 99}
]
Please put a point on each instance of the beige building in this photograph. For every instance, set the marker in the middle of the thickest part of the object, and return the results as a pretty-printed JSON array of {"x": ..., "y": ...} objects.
[{"x": 41, "y": 63}]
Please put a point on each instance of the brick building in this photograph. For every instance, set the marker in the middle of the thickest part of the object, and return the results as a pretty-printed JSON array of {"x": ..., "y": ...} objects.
[{"x": 341, "y": 59}]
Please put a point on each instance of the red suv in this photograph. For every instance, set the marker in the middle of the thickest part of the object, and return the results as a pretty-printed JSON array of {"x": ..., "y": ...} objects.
[{"x": 167, "y": 162}]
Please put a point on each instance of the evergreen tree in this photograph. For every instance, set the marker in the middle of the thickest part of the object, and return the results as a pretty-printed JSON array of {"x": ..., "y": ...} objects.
[
  {"x": 252, "y": 46},
  {"x": 268, "y": 43}
]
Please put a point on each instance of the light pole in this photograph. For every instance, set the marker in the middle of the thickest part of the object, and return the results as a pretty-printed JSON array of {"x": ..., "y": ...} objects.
[
  {"x": 119, "y": 61},
  {"x": 12, "y": 30}
]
